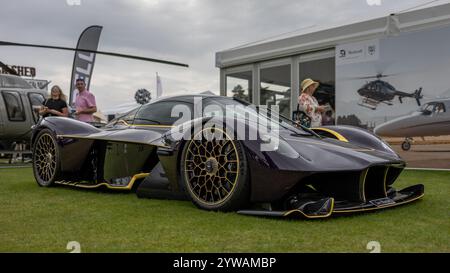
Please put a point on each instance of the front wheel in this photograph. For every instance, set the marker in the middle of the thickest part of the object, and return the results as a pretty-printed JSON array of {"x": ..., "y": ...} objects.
[
  {"x": 214, "y": 170},
  {"x": 46, "y": 161},
  {"x": 406, "y": 145}
]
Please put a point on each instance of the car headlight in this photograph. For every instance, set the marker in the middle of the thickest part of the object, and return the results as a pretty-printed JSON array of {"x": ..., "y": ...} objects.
[
  {"x": 275, "y": 143},
  {"x": 285, "y": 149}
]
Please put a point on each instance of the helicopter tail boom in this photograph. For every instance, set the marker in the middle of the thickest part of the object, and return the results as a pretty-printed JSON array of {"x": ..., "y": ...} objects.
[{"x": 416, "y": 94}]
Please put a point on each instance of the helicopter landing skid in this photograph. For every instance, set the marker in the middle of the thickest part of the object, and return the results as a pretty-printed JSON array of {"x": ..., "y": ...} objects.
[
  {"x": 367, "y": 106},
  {"x": 371, "y": 103}
]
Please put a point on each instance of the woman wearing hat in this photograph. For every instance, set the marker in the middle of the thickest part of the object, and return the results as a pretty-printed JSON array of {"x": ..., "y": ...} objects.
[{"x": 308, "y": 103}]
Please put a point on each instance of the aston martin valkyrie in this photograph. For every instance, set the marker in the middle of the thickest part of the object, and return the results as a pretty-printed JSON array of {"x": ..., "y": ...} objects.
[{"x": 214, "y": 159}]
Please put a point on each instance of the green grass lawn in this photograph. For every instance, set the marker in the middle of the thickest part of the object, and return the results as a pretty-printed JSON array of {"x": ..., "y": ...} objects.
[{"x": 34, "y": 219}]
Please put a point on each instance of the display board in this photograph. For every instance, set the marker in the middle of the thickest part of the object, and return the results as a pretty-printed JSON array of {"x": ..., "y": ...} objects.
[{"x": 399, "y": 87}]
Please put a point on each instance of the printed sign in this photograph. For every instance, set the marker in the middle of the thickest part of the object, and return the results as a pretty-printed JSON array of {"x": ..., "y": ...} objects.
[
  {"x": 38, "y": 84},
  {"x": 23, "y": 71},
  {"x": 358, "y": 52}
]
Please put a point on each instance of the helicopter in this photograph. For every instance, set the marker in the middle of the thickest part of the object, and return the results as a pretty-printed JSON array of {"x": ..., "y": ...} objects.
[
  {"x": 19, "y": 105},
  {"x": 378, "y": 91}
]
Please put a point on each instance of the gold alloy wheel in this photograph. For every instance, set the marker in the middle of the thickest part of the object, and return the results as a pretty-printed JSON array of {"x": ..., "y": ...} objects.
[
  {"x": 45, "y": 158},
  {"x": 211, "y": 166}
]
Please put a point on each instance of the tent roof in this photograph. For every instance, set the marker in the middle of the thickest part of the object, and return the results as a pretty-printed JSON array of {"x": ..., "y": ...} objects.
[{"x": 319, "y": 38}]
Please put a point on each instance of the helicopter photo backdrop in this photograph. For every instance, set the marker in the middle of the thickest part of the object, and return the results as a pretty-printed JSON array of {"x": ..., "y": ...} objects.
[{"x": 404, "y": 64}]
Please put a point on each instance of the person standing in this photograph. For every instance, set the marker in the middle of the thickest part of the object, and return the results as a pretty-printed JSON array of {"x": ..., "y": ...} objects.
[
  {"x": 309, "y": 104},
  {"x": 55, "y": 105},
  {"x": 84, "y": 103}
]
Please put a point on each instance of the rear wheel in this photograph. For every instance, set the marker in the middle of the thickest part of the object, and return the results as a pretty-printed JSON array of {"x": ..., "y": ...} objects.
[
  {"x": 46, "y": 163},
  {"x": 214, "y": 171}
]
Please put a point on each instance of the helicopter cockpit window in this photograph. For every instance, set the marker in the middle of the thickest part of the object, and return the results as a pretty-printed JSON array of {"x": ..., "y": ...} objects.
[
  {"x": 431, "y": 108},
  {"x": 14, "y": 106},
  {"x": 36, "y": 101},
  {"x": 440, "y": 108},
  {"x": 379, "y": 87}
]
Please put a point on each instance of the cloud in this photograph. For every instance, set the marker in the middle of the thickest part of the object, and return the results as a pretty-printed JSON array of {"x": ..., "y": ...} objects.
[{"x": 188, "y": 31}]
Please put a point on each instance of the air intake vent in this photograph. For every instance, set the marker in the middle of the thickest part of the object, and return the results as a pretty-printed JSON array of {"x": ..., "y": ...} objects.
[{"x": 375, "y": 185}]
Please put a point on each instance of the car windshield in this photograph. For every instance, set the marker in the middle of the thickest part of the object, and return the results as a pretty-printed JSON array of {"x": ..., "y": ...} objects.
[
  {"x": 126, "y": 117},
  {"x": 251, "y": 112}
]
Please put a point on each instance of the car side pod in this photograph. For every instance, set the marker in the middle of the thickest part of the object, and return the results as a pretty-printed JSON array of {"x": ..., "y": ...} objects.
[{"x": 327, "y": 207}]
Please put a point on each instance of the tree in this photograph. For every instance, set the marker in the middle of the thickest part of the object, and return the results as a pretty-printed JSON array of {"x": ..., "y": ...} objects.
[{"x": 239, "y": 92}]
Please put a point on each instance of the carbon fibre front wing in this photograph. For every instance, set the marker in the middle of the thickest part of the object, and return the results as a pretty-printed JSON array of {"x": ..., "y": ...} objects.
[{"x": 326, "y": 207}]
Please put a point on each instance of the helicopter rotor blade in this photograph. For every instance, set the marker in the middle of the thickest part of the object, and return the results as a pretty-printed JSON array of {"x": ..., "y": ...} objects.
[
  {"x": 8, "y": 69},
  {"x": 377, "y": 76},
  {"x": 389, "y": 75},
  {"x": 362, "y": 78},
  {"x": 5, "y": 43}
]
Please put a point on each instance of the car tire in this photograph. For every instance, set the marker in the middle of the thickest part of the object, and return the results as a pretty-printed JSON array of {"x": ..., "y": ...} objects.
[
  {"x": 46, "y": 158},
  {"x": 215, "y": 172},
  {"x": 406, "y": 146}
]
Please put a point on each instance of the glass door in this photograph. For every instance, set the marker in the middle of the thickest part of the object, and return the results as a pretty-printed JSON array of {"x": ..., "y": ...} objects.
[
  {"x": 320, "y": 66},
  {"x": 275, "y": 85}
]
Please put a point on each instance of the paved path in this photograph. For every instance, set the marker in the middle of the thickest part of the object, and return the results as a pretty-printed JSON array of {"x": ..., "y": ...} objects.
[{"x": 426, "y": 156}]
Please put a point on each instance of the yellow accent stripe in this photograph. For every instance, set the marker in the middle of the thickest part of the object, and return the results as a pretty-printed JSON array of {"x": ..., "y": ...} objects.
[
  {"x": 109, "y": 139},
  {"x": 146, "y": 125},
  {"x": 385, "y": 180},
  {"x": 109, "y": 186},
  {"x": 353, "y": 210},
  {"x": 329, "y": 145},
  {"x": 362, "y": 184},
  {"x": 383, "y": 207},
  {"x": 312, "y": 216},
  {"x": 334, "y": 133}
]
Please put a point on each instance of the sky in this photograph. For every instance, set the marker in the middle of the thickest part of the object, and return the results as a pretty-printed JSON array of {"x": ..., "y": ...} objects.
[{"x": 186, "y": 31}]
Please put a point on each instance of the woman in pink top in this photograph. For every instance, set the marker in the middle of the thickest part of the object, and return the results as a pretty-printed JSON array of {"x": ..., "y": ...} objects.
[
  {"x": 84, "y": 103},
  {"x": 308, "y": 103}
]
